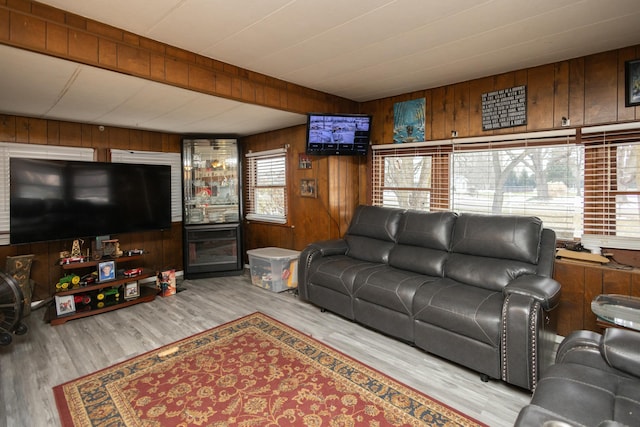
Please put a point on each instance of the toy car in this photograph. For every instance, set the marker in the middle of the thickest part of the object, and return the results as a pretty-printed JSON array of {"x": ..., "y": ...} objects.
[
  {"x": 72, "y": 259},
  {"x": 133, "y": 272}
]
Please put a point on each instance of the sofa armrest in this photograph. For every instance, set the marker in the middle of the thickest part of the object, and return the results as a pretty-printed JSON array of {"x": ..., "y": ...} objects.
[
  {"x": 543, "y": 289},
  {"x": 619, "y": 347},
  {"x": 330, "y": 247},
  {"x": 313, "y": 251}
]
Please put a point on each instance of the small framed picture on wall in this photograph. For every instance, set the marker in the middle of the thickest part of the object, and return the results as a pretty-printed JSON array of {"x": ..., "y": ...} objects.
[
  {"x": 304, "y": 161},
  {"x": 632, "y": 83},
  {"x": 308, "y": 188}
]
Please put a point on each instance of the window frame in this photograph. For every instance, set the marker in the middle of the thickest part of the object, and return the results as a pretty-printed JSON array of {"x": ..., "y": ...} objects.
[{"x": 251, "y": 203}]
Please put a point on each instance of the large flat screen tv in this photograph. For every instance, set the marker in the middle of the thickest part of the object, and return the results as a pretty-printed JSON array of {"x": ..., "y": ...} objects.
[
  {"x": 338, "y": 134},
  {"x": 60, "y": 199}
]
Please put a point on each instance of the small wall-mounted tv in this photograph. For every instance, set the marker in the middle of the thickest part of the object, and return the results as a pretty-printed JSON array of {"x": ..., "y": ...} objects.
[
  {"x": 62, "y": 199},
  {"x": 338, "y": 134}
]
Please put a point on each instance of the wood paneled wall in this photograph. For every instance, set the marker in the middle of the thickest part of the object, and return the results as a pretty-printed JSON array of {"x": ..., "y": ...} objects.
[
  {"x": 324, "y": 217},
  {"x": 588, "y": 91},
  {"x": 164, "y": 247}
]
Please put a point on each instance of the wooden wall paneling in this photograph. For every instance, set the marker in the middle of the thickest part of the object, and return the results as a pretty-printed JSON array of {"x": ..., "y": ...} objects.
[
  {"x": 570, "y": 311},
  {"x": 461, "y": 108},
  {"x": 540, "y": 97},
  {"x": 342, "y": 197},
  {"x": 4, "y": 24},
  {"x": 625, "y": 113},
  {"x": 27, "y": 30},
  {"x": 53, "y": 132},
  {"x": 7, "y": 128},
  {"x": 118, "y": 139},
  {"x": 438, "y": 114},
  {"x": 576, "y": 92},
  {"x": 593, "y": 285},
  {"x": 70, "y": 134},
  {"x": 601, "y": 88},
  {"x": 22, "y": 130},
  {"x": 172, "y": 249},
  {"x": 616, "y": 282},
  {"x": 476, "y": 89},
  {"x": 449, "y": 111},
  {"x": 386, "y": 135},
  {"x": 635, "y": 284},
  {"x": 560, "y": 93}
]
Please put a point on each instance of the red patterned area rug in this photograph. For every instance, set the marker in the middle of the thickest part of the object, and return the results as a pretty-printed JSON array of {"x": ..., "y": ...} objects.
[{"x": 254, "y": 371}]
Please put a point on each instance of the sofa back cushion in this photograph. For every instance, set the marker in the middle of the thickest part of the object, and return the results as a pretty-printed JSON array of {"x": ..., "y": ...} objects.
[
  {"x": 372, "y": 233},
  {"x": 423, "y": 242},
  {"x": 491, "y": 250},
  {"x": 497, "y": 236}
]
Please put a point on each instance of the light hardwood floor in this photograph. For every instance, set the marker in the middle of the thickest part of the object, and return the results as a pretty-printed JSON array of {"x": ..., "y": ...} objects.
[{"x": 50, "y": 355}]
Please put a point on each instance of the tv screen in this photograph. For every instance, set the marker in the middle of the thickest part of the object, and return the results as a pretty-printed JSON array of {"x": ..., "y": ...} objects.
[
  {"x": 59, "y": 199},
  {"x": 338, "y": 134}
]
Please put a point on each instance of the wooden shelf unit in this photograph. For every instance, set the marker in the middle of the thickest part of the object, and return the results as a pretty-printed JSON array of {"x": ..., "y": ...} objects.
[{"x": 146, "y": 293}]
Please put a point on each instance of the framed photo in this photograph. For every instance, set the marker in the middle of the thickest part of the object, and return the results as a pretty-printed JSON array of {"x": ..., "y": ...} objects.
[
  {"x": 308, "y": 188},
  {"x": 106, "y": 271},
  {"x": 632, "y": 83},
  {"x": 131, "y": 290},
  {"x": 65, "y": 305},
  {"x": 304, "y": 161}
]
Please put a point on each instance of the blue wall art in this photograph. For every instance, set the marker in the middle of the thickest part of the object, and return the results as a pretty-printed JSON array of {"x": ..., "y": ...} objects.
[{"x": 408, "y": 121}]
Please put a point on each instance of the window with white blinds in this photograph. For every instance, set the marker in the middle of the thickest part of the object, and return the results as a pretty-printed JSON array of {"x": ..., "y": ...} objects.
[
  {"x": 29, "y": 151},
  {"x": 612, "y": 186},
  {"x": 158, "y": 158},
  {"x": 535, "y": 176},
  {"x": 266, "y": 182},
  {"x": 411, "y": 177},
  {"x": 528, "y": 174}
]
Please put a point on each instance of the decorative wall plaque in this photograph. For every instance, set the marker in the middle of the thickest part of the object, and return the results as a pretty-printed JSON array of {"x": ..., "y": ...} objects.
[{"x": 504, "y": 108}]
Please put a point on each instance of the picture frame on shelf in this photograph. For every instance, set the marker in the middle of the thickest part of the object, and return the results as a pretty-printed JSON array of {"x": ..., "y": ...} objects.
[
  {"x": 65, "y": 304},
  {"x": 632, "y": 83},
  {"x": 131, "y": 290},
  {"x": 106, "y": 271},
  {"x": 308, "y": 188}
]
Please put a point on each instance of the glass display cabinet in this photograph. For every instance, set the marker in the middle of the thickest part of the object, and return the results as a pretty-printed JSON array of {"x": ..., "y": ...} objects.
[{"x": 212, "y": 207}]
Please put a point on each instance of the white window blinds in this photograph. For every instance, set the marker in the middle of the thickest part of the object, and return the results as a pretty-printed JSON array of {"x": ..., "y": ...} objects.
[
  {"x": 539, "y": 175},
  {"x": 411, "y": 177},
  {"x": 29, "y": 151},
  {"x": 158, "y": 158},
  {"x": 525, "y": 174},
  {"x": 612, "y": 186},
  {"x": 266, "y": 181}
]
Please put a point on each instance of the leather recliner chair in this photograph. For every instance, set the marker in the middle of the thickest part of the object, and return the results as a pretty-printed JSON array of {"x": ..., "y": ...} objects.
[{"x": 595, "y": 381}]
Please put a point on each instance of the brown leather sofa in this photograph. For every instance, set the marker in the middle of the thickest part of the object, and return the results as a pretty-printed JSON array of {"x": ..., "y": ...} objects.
[
  {"x": 474, "y": 289},
  {"x": 594, "y": 382}
]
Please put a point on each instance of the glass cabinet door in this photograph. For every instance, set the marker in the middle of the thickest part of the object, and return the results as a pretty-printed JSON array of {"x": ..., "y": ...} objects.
[{"x": 211, "y": 181}]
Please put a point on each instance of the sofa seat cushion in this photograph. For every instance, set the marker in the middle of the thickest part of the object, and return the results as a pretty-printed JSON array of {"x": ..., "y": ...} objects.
[
  {"x": 389, "y": 287},
  {"x": 338, "y": 272},
  {"x": 588, "y": 395},
  {"x": 466, "y": 310}
]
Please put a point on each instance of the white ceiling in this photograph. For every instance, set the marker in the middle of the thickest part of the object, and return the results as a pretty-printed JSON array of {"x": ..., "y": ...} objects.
[{"x": 357, "y": 49}]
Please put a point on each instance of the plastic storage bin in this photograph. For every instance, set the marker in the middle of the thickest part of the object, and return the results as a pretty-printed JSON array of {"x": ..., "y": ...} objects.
[{"x": 275, "y": 269}]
